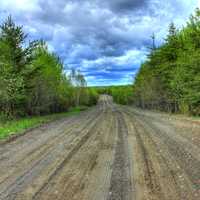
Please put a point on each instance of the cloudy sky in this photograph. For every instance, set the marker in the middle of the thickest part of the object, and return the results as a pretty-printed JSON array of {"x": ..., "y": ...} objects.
[{"x": 106, "y": 39}]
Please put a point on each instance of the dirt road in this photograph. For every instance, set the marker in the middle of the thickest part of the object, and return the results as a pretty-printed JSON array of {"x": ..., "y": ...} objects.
[{"x": 109, "y": 152}]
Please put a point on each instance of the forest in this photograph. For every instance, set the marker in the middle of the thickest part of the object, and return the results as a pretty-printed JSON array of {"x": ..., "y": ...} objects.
[
  {"x": 33, "y": 80},
  {"x": 169, "y": 80},
  {"x": 121, "y": 94}
]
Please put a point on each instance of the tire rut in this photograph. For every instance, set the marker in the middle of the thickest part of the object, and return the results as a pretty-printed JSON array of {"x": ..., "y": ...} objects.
[
  {"x": 186, "y": 171},
  {"x": 108, "y": 153},
  {"x": 40, "y": 163},
  {"x": 121, "y": 186},
  {"x": 83, "y": 140}
]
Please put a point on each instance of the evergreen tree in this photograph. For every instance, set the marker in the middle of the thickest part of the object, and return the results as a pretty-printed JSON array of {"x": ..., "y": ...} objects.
[{"x": 170, "y": 78}]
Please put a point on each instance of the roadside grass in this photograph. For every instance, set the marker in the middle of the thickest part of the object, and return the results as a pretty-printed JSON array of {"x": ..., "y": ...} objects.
[
  {"x": 18, "y": 126},
  {"x": 196, "y": 117}
]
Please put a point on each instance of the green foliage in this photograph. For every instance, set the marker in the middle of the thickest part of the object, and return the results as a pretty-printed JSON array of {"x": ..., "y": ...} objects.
[
  {"x": 32, "y": 80},
  {"x": 80, "y": 95},
  {"x": 14, "y": 127},
  {"x": 170, "y": 78},
  {"x": 93, "y": 96},
  {"x": 121, "y": 94}
]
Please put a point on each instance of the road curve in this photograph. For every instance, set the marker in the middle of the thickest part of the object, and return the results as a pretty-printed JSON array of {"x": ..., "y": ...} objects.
[{"x": 109, "y": 152}]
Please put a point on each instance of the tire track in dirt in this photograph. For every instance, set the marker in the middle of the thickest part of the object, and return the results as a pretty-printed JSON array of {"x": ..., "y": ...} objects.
[
  {"x": 38, "y": 165},
  {"x": 54, "y": 129},
  {"x": 83, "y": 140},
  {"x": 98, "y": 183},
  {"x": 121, "y": 185},
  {"x": 28, "y": 149},
  {"x": 183, "y": 167},
  {"x": 149, "y": 180},
  {"x": 72, "y": 179},
  {"x": 187, "y": 161},
  {"x": 39, "y": 153},
  {"x": 111, "y": 152}
]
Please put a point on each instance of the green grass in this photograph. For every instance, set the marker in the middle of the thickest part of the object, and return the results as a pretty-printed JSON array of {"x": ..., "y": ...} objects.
[
  {"x": 196, "y": 117},
  {"x": 13, "y": 127}
]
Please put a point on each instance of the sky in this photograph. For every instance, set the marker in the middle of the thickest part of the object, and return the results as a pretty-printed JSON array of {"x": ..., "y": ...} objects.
[{"x": 107, "y": 40}]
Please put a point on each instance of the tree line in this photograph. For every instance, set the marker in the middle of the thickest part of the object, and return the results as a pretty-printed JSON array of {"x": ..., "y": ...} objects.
[
  {"x": 169, "y": 80},
  {"x": 32, "y": 79},
  {"x": 121, "y": 94}
]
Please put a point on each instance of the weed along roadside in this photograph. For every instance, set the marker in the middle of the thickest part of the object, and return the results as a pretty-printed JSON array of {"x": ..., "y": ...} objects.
[{"x": 12, "y": 129}]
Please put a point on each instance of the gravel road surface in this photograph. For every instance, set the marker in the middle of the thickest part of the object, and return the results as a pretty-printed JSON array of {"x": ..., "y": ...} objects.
[{"x": 109, "y": 152}]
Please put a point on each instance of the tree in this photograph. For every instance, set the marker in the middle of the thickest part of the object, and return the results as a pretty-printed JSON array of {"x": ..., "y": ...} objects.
[
  {"x": 169, "y": 79},
  {"x": 12, "y": 63},
  {"x": 79, "y": 82}
]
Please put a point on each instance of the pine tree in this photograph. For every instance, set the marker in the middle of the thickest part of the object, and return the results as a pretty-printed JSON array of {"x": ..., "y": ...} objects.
[{"x": 14, "y": 37}]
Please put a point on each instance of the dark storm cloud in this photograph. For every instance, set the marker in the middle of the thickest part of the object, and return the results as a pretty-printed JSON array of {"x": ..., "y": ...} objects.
[
  {"x": 95, "y": 22},
  {"x": 127, "y": 5},
  {"x": 106, "y": 39}
]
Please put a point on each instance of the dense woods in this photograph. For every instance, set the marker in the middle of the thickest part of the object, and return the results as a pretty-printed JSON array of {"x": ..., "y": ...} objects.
[
  {"x": 32, "y": 79},
  {"x": 170, "y": 78},
  {"x": 121, "y": 94}
]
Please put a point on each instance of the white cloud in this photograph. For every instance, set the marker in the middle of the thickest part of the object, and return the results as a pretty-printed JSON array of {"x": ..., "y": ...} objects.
[
  {"x": 99, "y": 36},
  {"x": 20, "y": 5}
]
